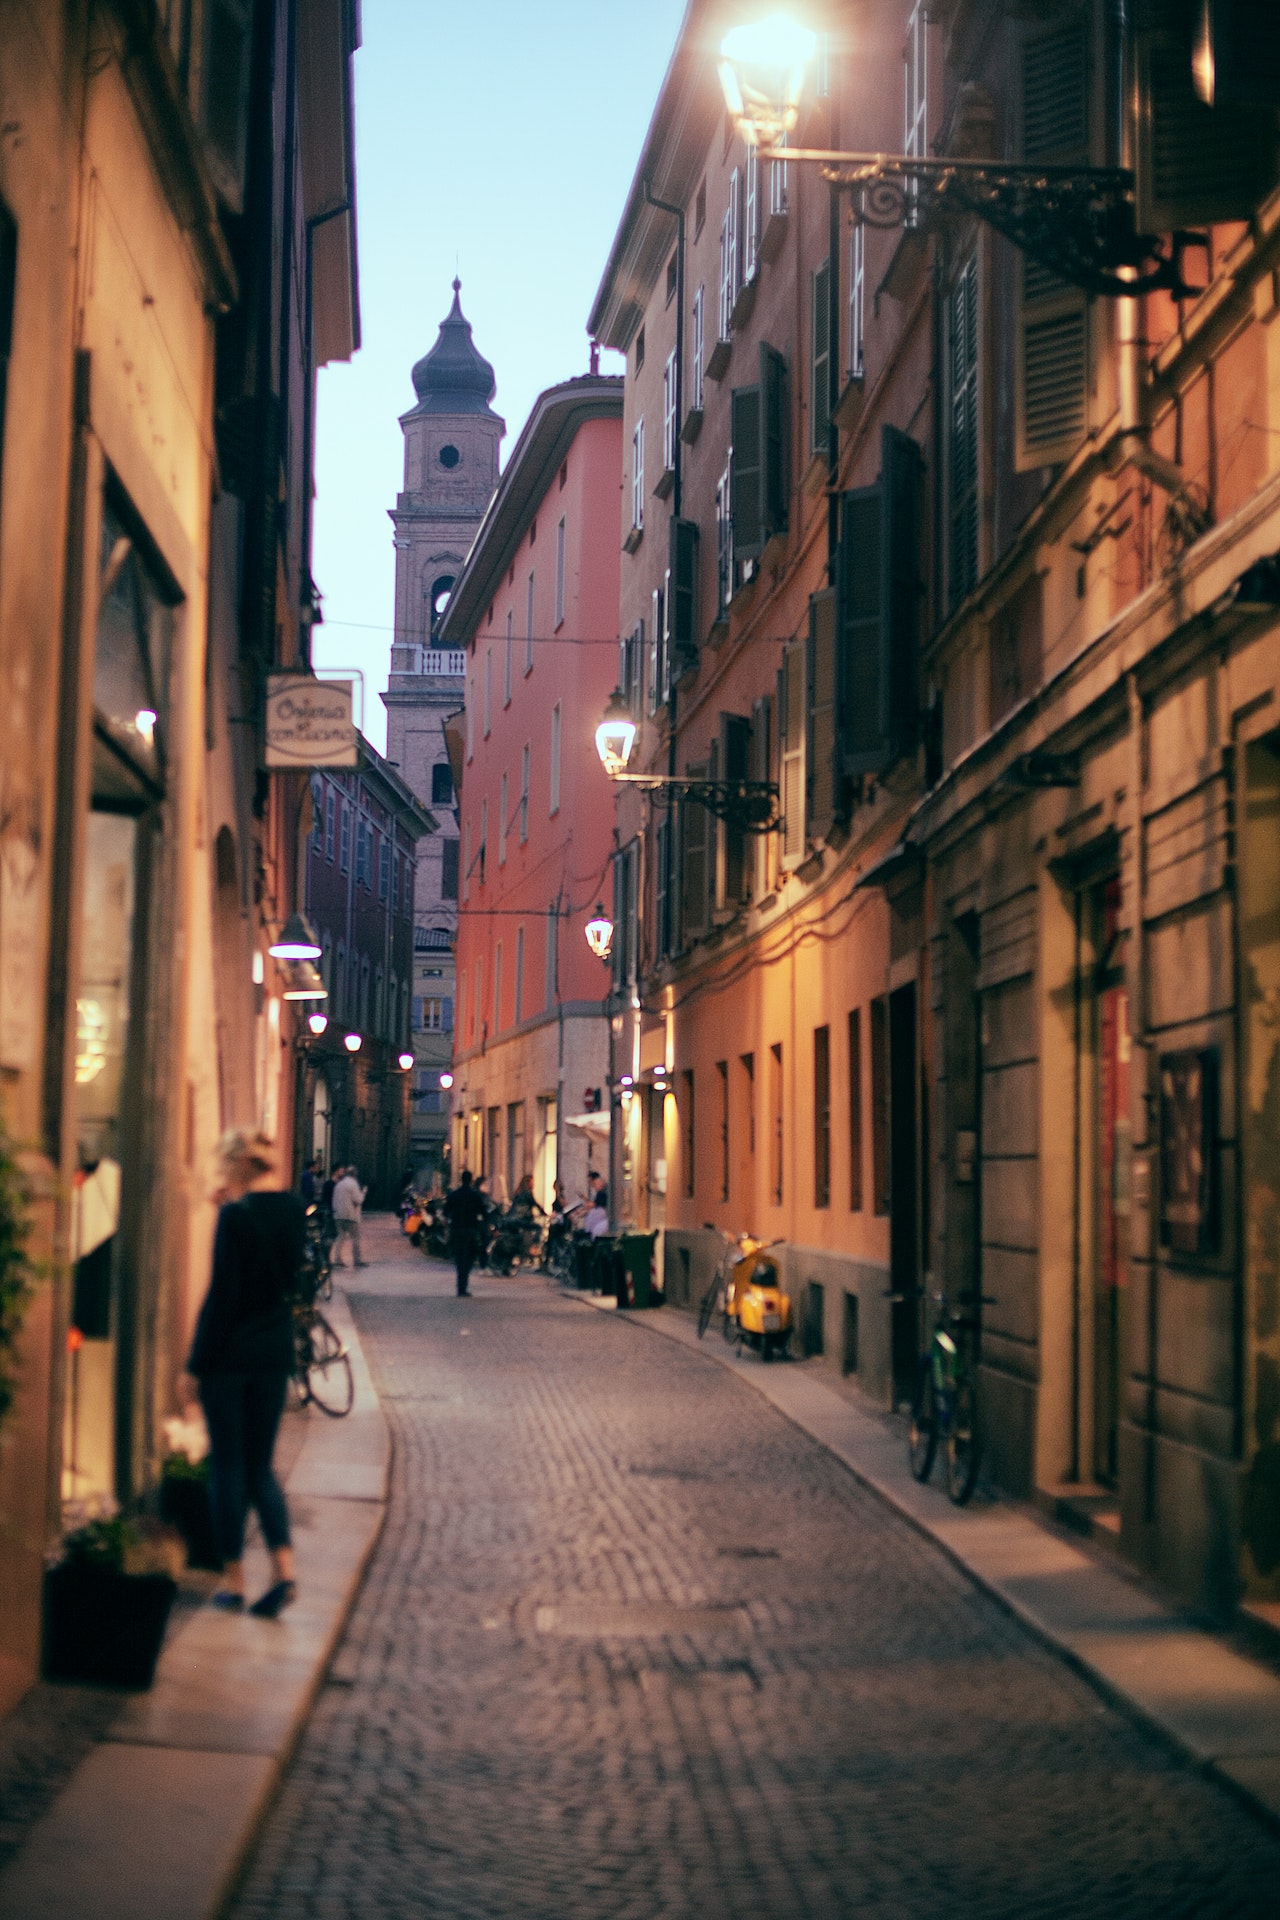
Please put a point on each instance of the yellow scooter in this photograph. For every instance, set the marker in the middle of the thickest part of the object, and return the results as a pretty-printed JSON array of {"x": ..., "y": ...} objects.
[{"x": 754, "y": 1308}]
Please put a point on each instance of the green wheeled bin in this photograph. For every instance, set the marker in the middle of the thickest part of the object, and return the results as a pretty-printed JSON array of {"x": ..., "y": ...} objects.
[{"x": 637, "y": 1254}]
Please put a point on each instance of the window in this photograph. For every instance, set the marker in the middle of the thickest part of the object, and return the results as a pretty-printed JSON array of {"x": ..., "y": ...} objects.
[
  {"x": 822, "y": 1116},
  {"x": 639, "y": 349},
  {"x": 361, "y": 854},
  {"x": 524, "y": 793},
  {"x": 483, "y": 848},
  {"x": 673, "y": 277},
  {"x": 488, "y": 693},
  {"x": 330, "y": 810},
  {"x": 477, "y": 1003},
  {"x": 690, "y": 1167},
  {"x": 722, "y": 1078},
  {"x": 878, "y": 609},
  {"x": 466, "y": 864},
  {"x": 728, "y": 261},
  {"x": 517, "y": 1010},
  {"x": 528, "y": 625},
  {"x": 550, "y": 965},
  {"x": 747, "y": 1107},
  {"x": 340, "y": 982},
  {"x": 775, "y": 1126},
  {"x": 441, "y": 784},
  {"x": 751, "y": 216},
  {"x": 384, "y": 872},
  {"x": 696, "y": 364},
  {"x": 497, "y": 988},
  {"x": 560, "y": 542},
  {"x": 395, "y": 883},
  {"x": 880, "y": 1104},
  {"x": 564, "y": 475},
  {"x": 778, "y": 185},
  {"x": 962, "y": 449},
  {"x": 379, "y": 1005},
  {"x": 659, "y": 686},
  {"x": 855, "y": 1110},
  {"x": 637, "y": 477},
  {"x": 1053, "y": 375},
  {"x": 506, "y": 669},
  {"x": 502, "y": 822},
  {"x": 344, "y": 848},
  {"x": 631, "y": 666},
  {"x": 670, "y": 424},
  {"x": 819, "y": 357},
  {"x": 700, "y": 208},
  {"x": 471, "y": 717},
  {"x": 915, "y": 94},
  {"x": 681, "y": 599},
  {"x": 432, "y": 1016},
  {"x": 448, "y": 870},
  {"x": 724, "y": 544},
  {"x": 857, "y": 298},
  {"x": 554, "y": 806}
]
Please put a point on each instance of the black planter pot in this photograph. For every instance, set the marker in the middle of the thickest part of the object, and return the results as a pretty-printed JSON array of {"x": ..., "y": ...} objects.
[
  {"x": 184, "y": 1504},
  {"x": 103, "y": 1627}
]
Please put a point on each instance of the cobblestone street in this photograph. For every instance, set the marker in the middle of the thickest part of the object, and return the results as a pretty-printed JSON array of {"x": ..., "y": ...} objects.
[{"x": 633, "y": 1646}]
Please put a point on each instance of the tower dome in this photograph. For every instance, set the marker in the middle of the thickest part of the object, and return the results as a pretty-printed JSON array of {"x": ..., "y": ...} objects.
[{"x": 454, "y": 377}]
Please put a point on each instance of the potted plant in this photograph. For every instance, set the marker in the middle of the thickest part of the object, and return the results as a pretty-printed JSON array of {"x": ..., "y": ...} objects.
[
  {"x": 184, "y": 1504},
  {"x": 107, "y": 1601}
]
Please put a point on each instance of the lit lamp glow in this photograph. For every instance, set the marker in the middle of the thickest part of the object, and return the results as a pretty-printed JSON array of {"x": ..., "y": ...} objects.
[
  {"x": 616, "y": 735},
  {"x": 406, "y": 1061},
  {"x": 599, "y": 932},
  {"x": 317, "y": 1023},
  {"x": 446, "y": 1081},
  {"x": 297, "y": 940},
  {"x": 305, "y": 982},
  {"x": 145, "y": 722},
  {"x": 762, "y": 72},
  {"x": 352, "y": 1043}
]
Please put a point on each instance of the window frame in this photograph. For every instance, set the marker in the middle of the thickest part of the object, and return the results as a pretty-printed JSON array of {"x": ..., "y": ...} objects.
[
  {"x": 530, "y": 600},
  {"x": 553, "y": 783},
  {"x": 561, "y": 539},
  {"x": 699, "y": 331},
  {"x": 637, "y": 476}
]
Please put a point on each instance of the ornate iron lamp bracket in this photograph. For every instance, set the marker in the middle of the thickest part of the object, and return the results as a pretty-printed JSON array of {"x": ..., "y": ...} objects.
[
  {"x": 1078, "y": 223},
  {"x": 749, "y": 804}
]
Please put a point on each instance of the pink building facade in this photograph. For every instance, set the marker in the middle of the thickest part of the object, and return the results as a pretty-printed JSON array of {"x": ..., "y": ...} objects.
[{"x": 536, "y": 613}]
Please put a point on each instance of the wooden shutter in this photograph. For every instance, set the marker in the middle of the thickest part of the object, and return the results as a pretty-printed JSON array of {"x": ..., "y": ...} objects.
[
  {"x": 662, "y": 889},
  {"x": 773, "y": 442},
  {"x": 762, "y": 768},
  {"x": 695, "y": 872},
  {"x": 224, "y": 95},
  {"x": 819, "y": 357},
  {"x": 744, "y": 475},
  {"x": 1197, "y": 164},
  {"x": 682, "y": 594},
  {"x": 962, "y": 462},
  {"x": 901, "y": 475},
  {"x": 655, "y": 651},
  {"x": 878, "y": 610},
  {"x": 824, "y": 777},
  {"x": 1242, "y": 40},
  {"x": 791, "y": 727},
  {"x": 733, "y": 762},
  {"x": 1053, "y": 317}
]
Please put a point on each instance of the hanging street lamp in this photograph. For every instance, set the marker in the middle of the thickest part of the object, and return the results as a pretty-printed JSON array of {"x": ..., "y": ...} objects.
[
  {"x": 751, "y": 805},
  {"x": 297, "y": 940},
  {"x": 599, "y": 932}
]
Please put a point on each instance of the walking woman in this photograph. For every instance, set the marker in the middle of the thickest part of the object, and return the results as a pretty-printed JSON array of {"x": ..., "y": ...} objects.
[{"x": 241, "y": 1358}]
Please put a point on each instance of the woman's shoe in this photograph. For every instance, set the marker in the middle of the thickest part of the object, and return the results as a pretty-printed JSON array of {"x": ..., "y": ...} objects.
[{"x": 275, "y": 1600}]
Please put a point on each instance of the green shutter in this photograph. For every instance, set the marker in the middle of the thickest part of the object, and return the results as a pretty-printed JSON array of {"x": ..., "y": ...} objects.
[
  {"x": 682, "y": 594},
  {"x": 733, "y": 761},
  {"x": 900, "y": 478},
  {"x": 824, "y": 780},
  {"x": 1196, "y": 164},
  {"x": 860, "y": 624},
  {"x": 1243, "y": 41},
  {"x": 224, "y": 94},
  {"x": 1053, "y": 321},
  {"x": 773, "y": 440},
  {"x": 744, "y": 474},
  {"x": 819, "y": 357},
  {"x": 695, "y": 853}
]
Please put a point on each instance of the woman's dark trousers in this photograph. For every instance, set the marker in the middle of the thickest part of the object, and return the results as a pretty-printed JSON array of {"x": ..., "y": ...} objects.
[{"x": 242, "y": 1412}]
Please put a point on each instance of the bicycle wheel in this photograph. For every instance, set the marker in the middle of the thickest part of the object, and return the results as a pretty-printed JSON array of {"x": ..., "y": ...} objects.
[
  {"x": 922, "y": 1439},
  {"x": 329, "y": 1378},
  {"x": 963, "y": 1444},
  {"x": 708, "y": 1306}
]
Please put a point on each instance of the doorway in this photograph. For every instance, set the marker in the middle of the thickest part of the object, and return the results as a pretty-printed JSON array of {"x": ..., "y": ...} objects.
[{"x": 904, "y": 1187}]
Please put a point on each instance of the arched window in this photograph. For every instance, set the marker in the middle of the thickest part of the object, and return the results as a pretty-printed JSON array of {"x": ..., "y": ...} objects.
[{"x": 441, "y": 588}]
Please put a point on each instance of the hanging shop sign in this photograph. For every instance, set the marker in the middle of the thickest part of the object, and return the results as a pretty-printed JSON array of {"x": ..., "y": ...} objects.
[{"x": 309, "y": 722}]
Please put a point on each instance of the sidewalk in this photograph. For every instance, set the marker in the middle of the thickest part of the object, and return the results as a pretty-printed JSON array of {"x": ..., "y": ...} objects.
[
  {"x": 159, "y": 1816},
  {"x": 1219, "y": 1708}
]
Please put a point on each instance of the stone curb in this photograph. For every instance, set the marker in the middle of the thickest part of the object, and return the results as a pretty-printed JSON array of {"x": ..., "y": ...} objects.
[
  {"x": 1217, "y": 1709},
  {"x": 160, "y": 1819}
]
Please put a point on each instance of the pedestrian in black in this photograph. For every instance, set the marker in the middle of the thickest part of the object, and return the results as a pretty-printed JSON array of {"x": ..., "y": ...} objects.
[
  {"x": 242, "y": 1356},
  {"x": 464, "y": 1209}
]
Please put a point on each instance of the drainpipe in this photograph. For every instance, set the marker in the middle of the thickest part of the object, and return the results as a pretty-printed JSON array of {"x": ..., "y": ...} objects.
[{"x": 667, "y": 206}]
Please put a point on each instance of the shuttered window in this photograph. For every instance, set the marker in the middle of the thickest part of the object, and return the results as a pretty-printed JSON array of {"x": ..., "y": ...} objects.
[
  {"x": 733, "y": 762},
  {"x": 729, "y": 260},
  {"x": 224, "y": 94},
  {"x": 695, "y": 864},
  {"x": 744, "y": 474},
  {"x": 724, "y": 545},
  {"x": 664, "y": 901},
  {"x": 824, "y": 776},
  {"x": 656, "y": 661},
  {"x": 878, "y": 610},
  {"x": 819, "y": 357},
  {"x": 962, "y": 451},
  {"x": 751, "y": 217},
  {"x": 1053, "y": 326},
  {"x": 792, "y": 726},
  {"x": 1199, "y": 163},
  {"x": 682, "y": 595},
  {"x": 774, "y": 491}
]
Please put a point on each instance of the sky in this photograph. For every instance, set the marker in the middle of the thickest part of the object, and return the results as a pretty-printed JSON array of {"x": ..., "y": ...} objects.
[{"x": 497, "y": 139}]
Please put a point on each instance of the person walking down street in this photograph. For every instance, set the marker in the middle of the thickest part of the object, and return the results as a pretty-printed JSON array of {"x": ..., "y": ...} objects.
[
  {"x": 309, "y": 1185},
  {"x": 241, "y": 1358},
  {"x": 464, "y": 1209},
  {"x": 348, "y": 1205}
]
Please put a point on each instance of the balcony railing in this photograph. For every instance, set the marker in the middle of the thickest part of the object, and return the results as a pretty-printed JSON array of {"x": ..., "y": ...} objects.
[{"x": 412, "y": 657}]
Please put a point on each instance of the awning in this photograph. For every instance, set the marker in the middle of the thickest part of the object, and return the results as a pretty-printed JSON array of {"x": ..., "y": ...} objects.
[{"x": 596, "y": 1124}]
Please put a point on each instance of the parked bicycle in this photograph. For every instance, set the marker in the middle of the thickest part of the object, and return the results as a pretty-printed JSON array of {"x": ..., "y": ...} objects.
[
  {"x": 321, "y": 1363},
  {"x": 945, "y": 1405}
]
